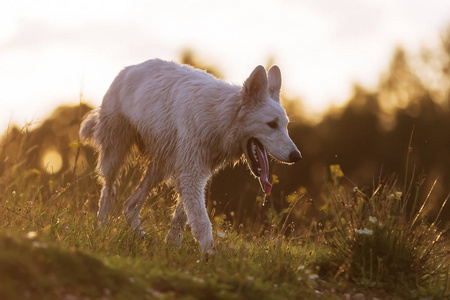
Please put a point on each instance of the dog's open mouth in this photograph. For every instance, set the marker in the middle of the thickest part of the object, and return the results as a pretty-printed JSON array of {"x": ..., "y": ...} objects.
[{"x": 259, "y": 164}]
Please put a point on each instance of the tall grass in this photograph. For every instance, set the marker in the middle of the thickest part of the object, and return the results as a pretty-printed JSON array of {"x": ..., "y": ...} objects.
[
  {"x": 380, "y": 241},
  {"x": 52, "y": 248},
  {"x": 50, "y": 237}
]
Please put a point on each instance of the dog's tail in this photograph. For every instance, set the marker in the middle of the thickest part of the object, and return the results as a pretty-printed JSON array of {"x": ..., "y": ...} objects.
[{"x": 88, "y": 125}]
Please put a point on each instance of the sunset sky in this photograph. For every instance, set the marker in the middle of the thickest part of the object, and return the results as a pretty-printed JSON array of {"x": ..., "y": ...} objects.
[{"x": 50, "y": 51}]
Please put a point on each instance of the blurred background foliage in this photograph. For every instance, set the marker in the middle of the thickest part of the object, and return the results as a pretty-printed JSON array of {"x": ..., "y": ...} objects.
[{"x": 369, "y": 138}]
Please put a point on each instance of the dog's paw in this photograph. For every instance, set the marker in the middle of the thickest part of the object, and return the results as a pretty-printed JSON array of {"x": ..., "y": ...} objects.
[
  {"x": 207, "y": 248},
  {"x": 174, "y": 237},
  {"x": 102, "y": 221},
  {"x": 140, "y": 232},
  {"x": 135, "y": 225}
]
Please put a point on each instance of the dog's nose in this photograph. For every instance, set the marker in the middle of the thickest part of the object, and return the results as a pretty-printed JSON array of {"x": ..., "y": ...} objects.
[{"x": 295, "y": 156}]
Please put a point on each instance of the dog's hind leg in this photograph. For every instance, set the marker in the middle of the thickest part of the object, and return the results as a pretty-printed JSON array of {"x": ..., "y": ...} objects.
[
  {"x": 115, "y": 139},
  {"x": 109, "y": 167},
  {"x": 133, "y": 205},
  {"x": 177, "y": 226}
]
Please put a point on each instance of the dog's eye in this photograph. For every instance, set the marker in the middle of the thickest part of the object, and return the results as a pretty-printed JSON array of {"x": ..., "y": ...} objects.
[{"x": 272, "y": 124}]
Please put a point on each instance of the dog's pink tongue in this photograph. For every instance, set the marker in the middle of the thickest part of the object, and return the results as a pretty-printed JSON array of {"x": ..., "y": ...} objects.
[{"x": 264, "y": 174}]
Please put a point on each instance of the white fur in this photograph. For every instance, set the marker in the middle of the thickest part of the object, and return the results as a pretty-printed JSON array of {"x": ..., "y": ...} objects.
[{"x": 190, "y": 124}]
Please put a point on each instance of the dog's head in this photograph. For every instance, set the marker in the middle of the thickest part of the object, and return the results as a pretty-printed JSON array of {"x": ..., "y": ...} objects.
[{"x": 265, "y": 124}]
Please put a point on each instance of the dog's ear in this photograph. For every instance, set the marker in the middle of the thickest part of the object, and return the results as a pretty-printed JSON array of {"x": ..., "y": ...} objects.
[
  {"x": 256, "y": 84},
  {"x": 274, "y": 82}
]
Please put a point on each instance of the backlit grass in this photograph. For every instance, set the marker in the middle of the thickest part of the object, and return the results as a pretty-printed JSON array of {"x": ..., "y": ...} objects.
[{"x": 377, "y": 243}]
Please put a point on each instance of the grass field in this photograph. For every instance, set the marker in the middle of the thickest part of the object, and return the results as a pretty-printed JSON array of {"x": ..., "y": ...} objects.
[{"x": 369, "y": 245}]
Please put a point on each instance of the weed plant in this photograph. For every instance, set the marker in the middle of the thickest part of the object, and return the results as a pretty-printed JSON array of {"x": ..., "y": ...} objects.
[{"x": 382, "y": 240}]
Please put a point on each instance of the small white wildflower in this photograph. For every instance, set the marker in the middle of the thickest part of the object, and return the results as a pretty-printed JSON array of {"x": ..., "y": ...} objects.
[
  {"x": 31, "y": 234},
  {"x": 107, "y": 292},
  {"x": 364, "y": 231},
  {"x": 37, "y": 244},
  {"x": 199, "y": 280},
  {"x": 312, "y": 280},
  {"x": 373, "y": 220},
  {"x": 318, "y": 293},
  {"x": 301, "y": 267},
  {"x": 221, "y": 234},
  {"x": 155, "y": 293}
]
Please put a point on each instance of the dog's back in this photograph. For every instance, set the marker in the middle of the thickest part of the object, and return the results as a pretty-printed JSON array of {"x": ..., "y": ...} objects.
[{"x": 164, "y": 103}]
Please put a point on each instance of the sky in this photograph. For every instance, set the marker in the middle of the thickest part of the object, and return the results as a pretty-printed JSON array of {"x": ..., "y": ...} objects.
[{"x": 51, "y": 51}]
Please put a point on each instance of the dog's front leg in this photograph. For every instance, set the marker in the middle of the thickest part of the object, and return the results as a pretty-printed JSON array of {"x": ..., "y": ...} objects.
[{"x": 191, "y": 188}]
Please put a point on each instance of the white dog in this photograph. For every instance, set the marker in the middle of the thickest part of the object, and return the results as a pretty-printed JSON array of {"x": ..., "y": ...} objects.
[{"x": 190, "y": 124}]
